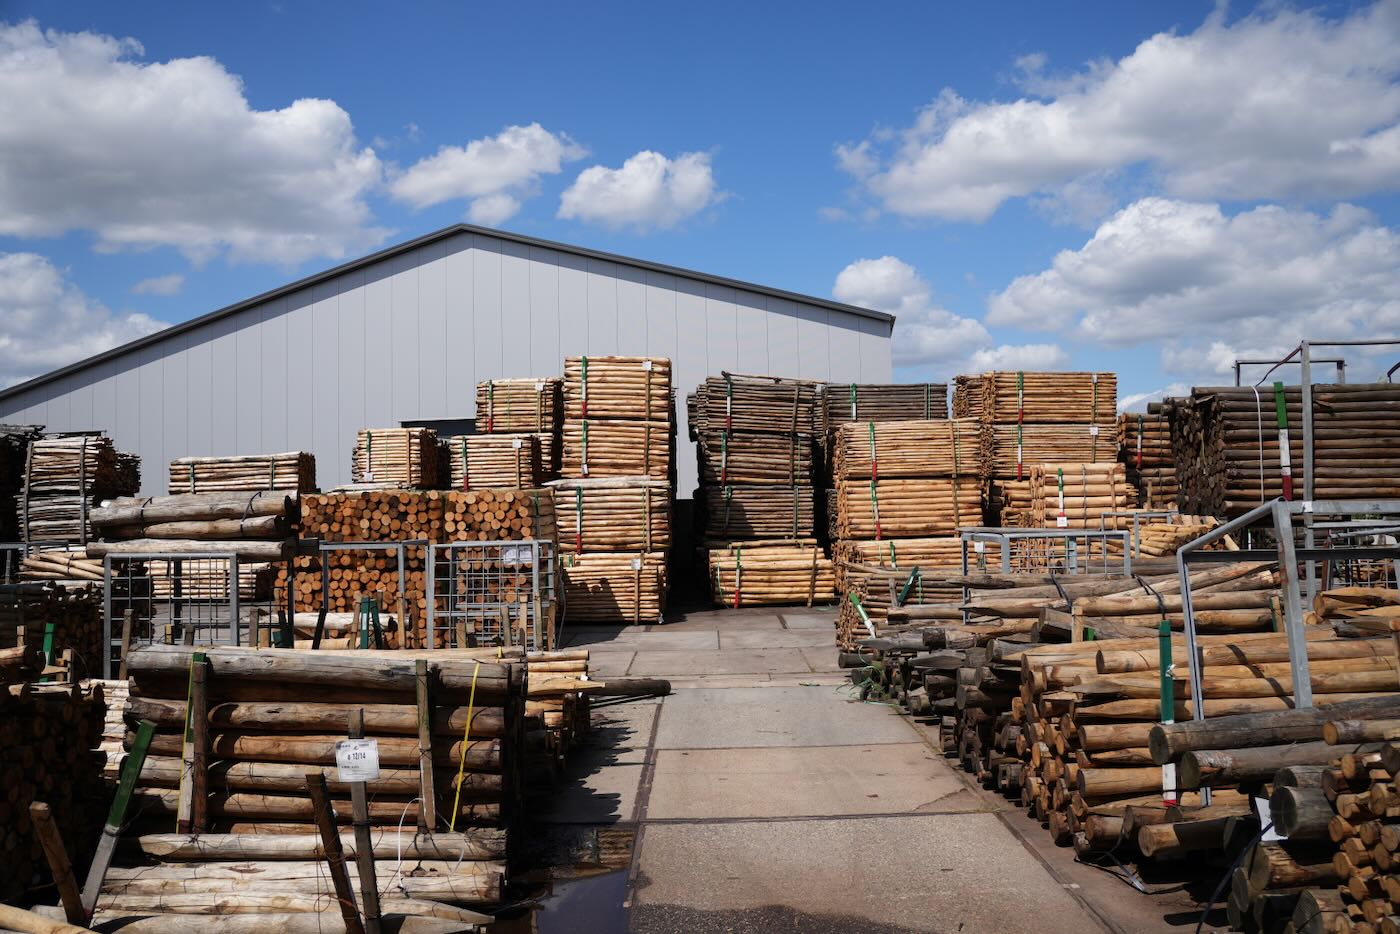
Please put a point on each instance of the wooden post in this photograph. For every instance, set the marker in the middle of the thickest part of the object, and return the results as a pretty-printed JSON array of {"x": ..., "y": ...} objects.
[
  {"x": 199, "y": 744},
  {"x": 364, "y": 846},
  {"x": 335, "y": 855},
  {"x": 427, "y": 814},
  {"x": 42, "y": 819},
  {"x": 107, "y": 845}
]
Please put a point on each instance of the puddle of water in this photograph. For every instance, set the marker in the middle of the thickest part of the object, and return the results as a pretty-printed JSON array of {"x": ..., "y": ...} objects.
[{"x": 582, "y": 905}]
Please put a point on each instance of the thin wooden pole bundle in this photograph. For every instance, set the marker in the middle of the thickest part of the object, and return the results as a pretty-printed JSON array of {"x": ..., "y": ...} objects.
[
  {"x": 1038, "y": 398},
  {"x": 396, "y": 457},
  {"x": 65, "y": 478},
  {"x": 947, "y": 448},
  {"x": 514, "y": 406},
  {"x": 1145, "y": 448},
  {"x": 618, "y": 448},
  {"x": 880, "y": 402},
  {"x": 755, "y": 403},
  {"x": 613, "y": 514},
  {"x": 907, "y": 508},
  {"x": 615, "y": 587},
  {"x": 617, "y": 387},
  {"x": 749, "y": 457},
  {"x": 495, "y": 460},
  {"x": 744, "y": 512},
  {"x": 770, "y": 573},
  {"x": 292, "y": 470},
  {"x": 14, "y": 450}
]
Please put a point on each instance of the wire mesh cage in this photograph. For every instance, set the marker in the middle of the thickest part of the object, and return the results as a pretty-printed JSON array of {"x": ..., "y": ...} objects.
[{"x": 493, "y": 593}]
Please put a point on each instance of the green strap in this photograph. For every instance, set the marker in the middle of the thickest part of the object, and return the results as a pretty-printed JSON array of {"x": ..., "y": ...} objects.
[
  {"x": 49, "y": 634},
  {"x": 1164, "y": 664},
  {"x": 1280, "y": 406}
]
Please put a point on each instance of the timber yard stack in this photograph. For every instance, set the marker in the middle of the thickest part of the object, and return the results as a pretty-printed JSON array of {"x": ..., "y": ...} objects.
[
  {"x": 481, "y": 462},
  {"x": 291, "y": 470},
  {"x": 1145, "y": 448},
  {"x": 619, "y": 425},
  {"x": 256, "y": 782},
  {"x": 903, "y": 491},
  {"x": 14, "y": 447},
  {"x": 1226, "y": 442},
  {"x": 61, "y": 621},
  {"x": 1038, "y": 418},
  {"x": 520, "y": 407},
  {"x": 65, "y": 479},
  {"x": 755, "y": 443},
  {"x": 403, "y": 458},
  {"x": 1077, "y": 496}
]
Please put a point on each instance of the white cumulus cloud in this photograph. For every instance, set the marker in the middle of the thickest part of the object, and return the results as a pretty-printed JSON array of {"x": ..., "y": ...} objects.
[
  {"x": 47, "y": 322},
  {"x": 160, "y": 285},
  {"x": 148, "y": 154},
  {"x": 1279, "y": 104},
  {"x": 649, "y": 190},
  {"x": 493, "y": 174},
  {"x": 1018, "y": 357},
  {"x": 1209, "y": 286}
]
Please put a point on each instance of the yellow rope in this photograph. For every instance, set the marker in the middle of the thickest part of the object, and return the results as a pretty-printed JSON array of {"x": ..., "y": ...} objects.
[{"x": 466, "y": 734}]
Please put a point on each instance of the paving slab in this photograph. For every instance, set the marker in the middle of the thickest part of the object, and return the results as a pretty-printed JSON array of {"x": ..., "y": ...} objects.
[
  {"x": 723, "y": 623},
  {"x": 698, "y": 640},
  {"x": 601, "y": 795},
  {"x": 651, "y": 664},
  {"x": 822, "y": 658},
  {"x": 945, "y": 872},
  {"x": 611, "y": 663},
  {"x": 775, "y": 716},
  {"x": 811, "y": 619},
  {"x": 789, "y": 782},
  {"x": 747, "y": 639}
]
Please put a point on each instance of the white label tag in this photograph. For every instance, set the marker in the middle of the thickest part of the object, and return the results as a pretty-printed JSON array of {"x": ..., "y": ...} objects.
[
  {"x": 979, "y": 547},
  {"x": 1307, "y": 505},
  {"x": 1261, "y": 807},
  {"x": 539, "y": 387},
  {"x": 369, "y": 476},
  {"x": 1094, "y": 430},
  {"x": 636, "y": 564},
  {"x": 646, "y": 365},
  {"x": 1061, "y": 522},
  {"x": 515, "y": 443},
  {"x": 357, "y": 760}
]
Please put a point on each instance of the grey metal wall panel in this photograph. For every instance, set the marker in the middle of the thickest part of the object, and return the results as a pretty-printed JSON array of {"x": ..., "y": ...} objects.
[{"x": 407, "y": 337}]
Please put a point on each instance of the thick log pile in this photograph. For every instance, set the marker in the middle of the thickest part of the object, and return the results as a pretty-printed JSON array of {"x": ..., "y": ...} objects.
[
  {"x": 770, "y": 573},
  {"x": 450, "y": 738},
  {"x": 256, "y": 526},
  {"x": 490, "y": 461},
  {"x": 520, "y": 406},
  {"x": 1145, "y": 448},
  {"x": 396, "y": 457},
  {"x": 65, "y": 620},
  {"x": 14, "y": 448},
  {"x": 65, "y": 479},
  {"x": 48, "y": 734},
  {"x": 1225, "y": 442},
  {"x": 612, "y": 514},
  {"x": 292, "y": 470}
]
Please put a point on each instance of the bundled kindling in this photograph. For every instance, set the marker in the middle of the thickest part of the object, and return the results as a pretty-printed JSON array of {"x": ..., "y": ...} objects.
[
  {"x": 396, "y": 457},
  {"x": 876, "y": 402},
  {"x": 614, "y": 587},
  {"x": 520, "y": 406},
  {"x": 1226, "y": 442},
  {"x": 292, "y": 470},
  {"x": 769, "y": 573},
  {"x": 612, "y": 514},
  {"x": 1145, "y": 447},
  {"x": 64, "y": 480},
  {"x": 496, "y": 460}
]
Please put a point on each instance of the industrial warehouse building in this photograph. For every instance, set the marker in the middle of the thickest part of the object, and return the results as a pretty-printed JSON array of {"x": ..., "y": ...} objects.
[{"x": 401, "y": 337}]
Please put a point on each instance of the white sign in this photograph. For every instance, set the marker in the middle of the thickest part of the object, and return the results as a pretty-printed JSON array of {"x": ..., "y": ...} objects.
[
  {"x": 357, "y": 760},
  {"x": 1061, "y": 522},
  {"x": 539, "y": 387},
  {"x": 646, "y": 365},
  {"x": 636, "y": 564},
  {"x": 1261, "y": 807},
  {"x": 979, "y": 547},
  {"x": 516, "y": 443},
  {"x": 1094, "y": 430}
]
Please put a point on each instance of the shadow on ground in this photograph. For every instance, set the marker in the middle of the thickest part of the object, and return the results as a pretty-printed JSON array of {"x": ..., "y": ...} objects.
[{"x": 675, "y": 919}]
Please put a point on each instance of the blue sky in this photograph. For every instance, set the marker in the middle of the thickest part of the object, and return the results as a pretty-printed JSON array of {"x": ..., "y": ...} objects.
[{"x": 1151, "y": 188}]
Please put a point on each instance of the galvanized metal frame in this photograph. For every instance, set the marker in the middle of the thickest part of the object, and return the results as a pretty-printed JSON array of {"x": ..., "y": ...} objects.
[
  {"x": 542, "y": 569},
  {"x": 1137, "y": 515},
  {"x": 400, "y": 549},
  {"x": 1004, "y": 536},
  {"x": 179, "y": 558}
]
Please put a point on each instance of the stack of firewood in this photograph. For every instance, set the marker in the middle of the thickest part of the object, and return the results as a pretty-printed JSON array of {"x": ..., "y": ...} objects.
[
  {"x": 48, "y": 734},
  {"x": 1145, "y": 448},
  {"x": 65, "y": 620},
  {"x": 292, "y": 470},
  {"x": 525, "y": 407},
  {"x": 449, "y": 733},
  {"x": 620, "y": 426},
  {"x": 396, "y": 457},
  {"x": 65, "y": 479},
  {"x": 1226, "y": 444},
  {"x": 479, "y": 462},
  {"x": 14, "y": 448},
  {"x": 1038, "y": 418}
]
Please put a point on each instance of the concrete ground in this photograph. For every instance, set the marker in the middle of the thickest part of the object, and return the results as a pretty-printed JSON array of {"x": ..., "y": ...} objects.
[{"x": 765, "y": 796}]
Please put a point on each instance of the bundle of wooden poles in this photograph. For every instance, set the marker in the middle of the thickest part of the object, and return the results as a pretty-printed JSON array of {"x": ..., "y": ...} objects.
[
  {"x": 485, "y": 461},
  {"x": 615, "y": 587},
  {"x": 240, "y": 736},
  {"x": 520, "y": 406},
  {"x": 752, "y": 512},
  {"x": 256, "y": 526},
  {"x": 59, "y": 622},
  {"x": 770, "y": 573},
  {"x": 1079, "y": 496},
  {"x": 48, "y": 734},
  {"x": 396, "y": 457},
  {"x": 61, "y": 564},
  {"x": 874, "y": 402},
  {"x": 1145, "y": 448},
  {"x": 65, "y": 478},
  {"x": 735, "y": 402},
  {"x": 291, "y": 470},
  {"x": 14, "y": 448},
  {"x": 619, "y": 419},
  {"x": 612, "y": 514},
  {"x": 1226, "y": 443}
]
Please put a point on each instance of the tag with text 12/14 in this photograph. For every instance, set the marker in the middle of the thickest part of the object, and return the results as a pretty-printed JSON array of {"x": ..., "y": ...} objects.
[{"x": 357, "y": 760}]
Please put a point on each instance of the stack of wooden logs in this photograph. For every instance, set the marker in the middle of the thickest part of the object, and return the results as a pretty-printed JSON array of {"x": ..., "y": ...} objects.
[
  {"x": 65, "y": 564},
  {"x": 520, "y": 407},
  {"x": 396, "y": 458},
  {"x": 618, "y": 483},
  {"x": 14, "y": 448},
  {"x": 1037, "y": 418},
  {"x": 478, "y": 462},
  {"x": 1225, "y": 442},
  {"x": 65, "y": 478},
  {"x": 48, "y": 734},
  {"x": 1076, "y": 496},
  {"x": 1145, "y": 448},
  {"x": 874, "y": 402},
  {"x": 256, "y": 526},
  {"x": 449, "y": 732},
  {"x": 64, "y": 620},
  {"x": 292, "y": 470},
  {"x": 767, "y": 573}
]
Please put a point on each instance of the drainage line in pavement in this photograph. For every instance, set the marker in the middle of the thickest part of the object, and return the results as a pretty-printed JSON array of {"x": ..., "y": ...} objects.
[{"x": 639, "y": 811}]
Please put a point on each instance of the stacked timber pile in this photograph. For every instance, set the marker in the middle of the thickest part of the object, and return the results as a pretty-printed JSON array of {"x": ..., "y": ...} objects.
[
  {"x": 619, "y": 425},
  {"x": 479, "y": 462},
  {"x": 519, "y": 407},
  {"x": 65, "y": 479},
  {"x": 768, "y": 573},
  {"x": 14, "y": 448},
  {"x": 1038, "y": 418},
  {"x": 396, "y": 457},
  {"x": 903, "y": 490},
  {"x": 1160, "y": 537},
  {"x": 292, "y": 470},
  {"x": 61, "y": 564},
  {"x": 61, "y": 623},
  {"x": 1226, "y": 443},
  {"x": 449, "y": 733},
  {"x": 1145, "y": 448},
  {"x": 48, "y": 734},
  {"x": 256, "y": 526}
]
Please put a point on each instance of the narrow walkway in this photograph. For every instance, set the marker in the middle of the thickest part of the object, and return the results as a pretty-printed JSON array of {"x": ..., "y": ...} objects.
[{"x": 765, "y": 797}]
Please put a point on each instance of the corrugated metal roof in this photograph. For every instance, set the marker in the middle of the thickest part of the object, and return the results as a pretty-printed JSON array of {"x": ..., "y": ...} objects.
[{"x": 414, "y": 244}]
